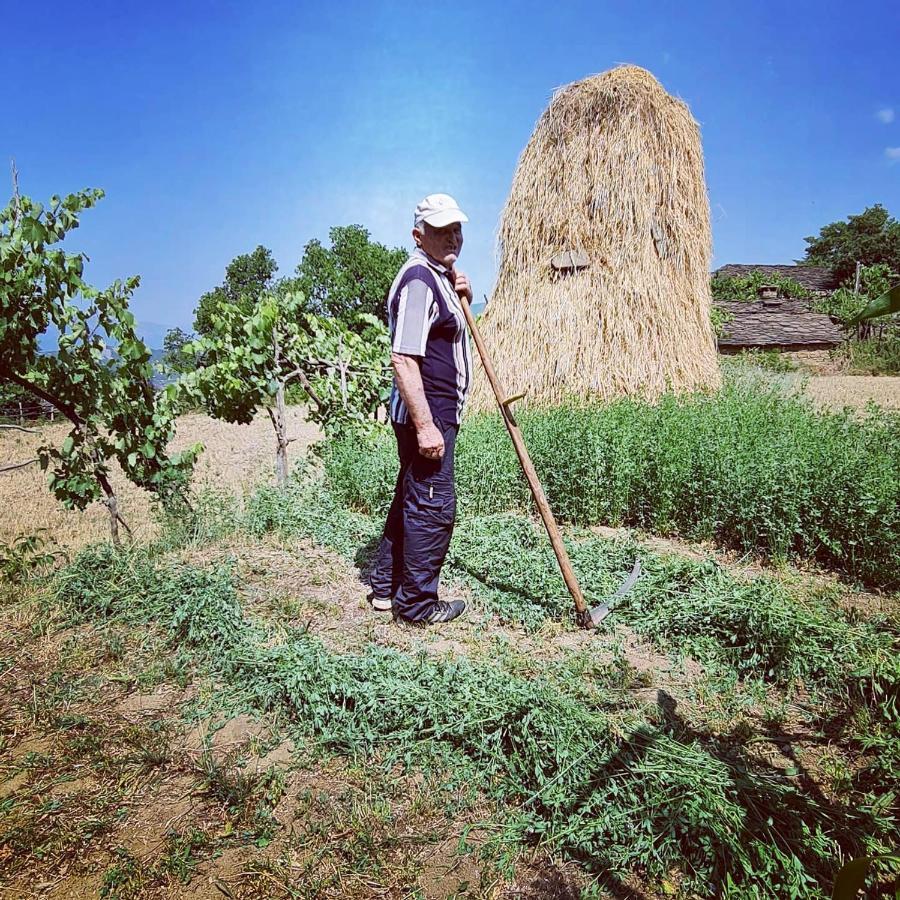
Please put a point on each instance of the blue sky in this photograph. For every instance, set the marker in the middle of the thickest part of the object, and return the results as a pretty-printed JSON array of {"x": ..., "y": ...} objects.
[{"x": 214, "y": 126}]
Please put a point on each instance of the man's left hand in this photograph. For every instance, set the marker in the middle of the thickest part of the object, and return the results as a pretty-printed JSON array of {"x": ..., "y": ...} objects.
[{"x": 462, "y": 286}]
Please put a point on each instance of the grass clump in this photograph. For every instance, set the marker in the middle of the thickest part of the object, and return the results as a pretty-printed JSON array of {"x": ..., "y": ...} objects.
[
  {"x": 748, "y": 467},
  {"x": 129, "y": 878},
  {"x": 771, "y": 360},
  {"x": 307, "y": 507},
  {"x": 213, "y": 514},
  {"x": 875, "y": 356}
]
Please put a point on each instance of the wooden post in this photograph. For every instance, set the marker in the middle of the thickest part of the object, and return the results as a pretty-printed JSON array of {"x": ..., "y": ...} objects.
[
  {"x": 113, "y": 508},
  {"x": 112, "y": 504},
  {"x": 863, "y": 329},
  {"x": 537, "y": 491}
]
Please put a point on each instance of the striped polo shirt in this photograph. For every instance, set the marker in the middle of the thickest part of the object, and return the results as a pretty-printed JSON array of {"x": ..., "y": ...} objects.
[{"x": 426, "y": 319}]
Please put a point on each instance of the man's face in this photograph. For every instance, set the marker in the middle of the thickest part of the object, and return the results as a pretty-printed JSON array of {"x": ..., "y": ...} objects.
[{"x": 442, "y": 244}]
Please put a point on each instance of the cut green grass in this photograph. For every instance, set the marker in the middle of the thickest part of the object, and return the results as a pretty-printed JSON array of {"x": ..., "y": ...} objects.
[
  {"x": 621, "y": 792},
  {"x": 754, "y": 625}
]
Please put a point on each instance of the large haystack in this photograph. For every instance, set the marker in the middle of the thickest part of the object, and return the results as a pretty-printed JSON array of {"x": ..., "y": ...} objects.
[{"x": 614, "y": 174}]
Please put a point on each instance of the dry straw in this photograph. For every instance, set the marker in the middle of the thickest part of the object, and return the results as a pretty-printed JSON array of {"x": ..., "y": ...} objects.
[{"x": 614, "y": 171}]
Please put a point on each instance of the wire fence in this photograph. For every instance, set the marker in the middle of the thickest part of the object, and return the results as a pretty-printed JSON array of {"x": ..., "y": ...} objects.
[{"x": 27, "y": 411}]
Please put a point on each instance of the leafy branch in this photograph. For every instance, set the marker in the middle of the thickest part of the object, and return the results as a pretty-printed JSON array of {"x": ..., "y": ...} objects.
[
  {"x": 100, "y": 376},
  {"x": 250, "y": 360}
]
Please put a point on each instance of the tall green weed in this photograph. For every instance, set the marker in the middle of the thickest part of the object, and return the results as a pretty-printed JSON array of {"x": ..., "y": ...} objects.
[{"x": 749, "y": 467}]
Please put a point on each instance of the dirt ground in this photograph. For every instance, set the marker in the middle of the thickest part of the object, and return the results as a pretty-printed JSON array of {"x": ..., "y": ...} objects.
[
  {"x": 124, "y": 771},
  {"x": 125, "y": 774},
  {"x": 234, "y": 457},
  {"x": 855, "y": 391}
]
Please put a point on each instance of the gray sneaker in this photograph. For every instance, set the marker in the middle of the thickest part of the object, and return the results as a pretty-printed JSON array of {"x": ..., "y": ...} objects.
[
  {"x": 382, "y": 604},
  {"x": 441, "y": 611}
]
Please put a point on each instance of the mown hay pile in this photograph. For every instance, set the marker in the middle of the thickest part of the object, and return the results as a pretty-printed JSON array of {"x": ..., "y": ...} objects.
[{"x": 614, "y": 174}]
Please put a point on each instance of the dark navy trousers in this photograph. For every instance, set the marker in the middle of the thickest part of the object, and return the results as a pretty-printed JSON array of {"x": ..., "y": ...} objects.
[{"x": 408, "y": 561}]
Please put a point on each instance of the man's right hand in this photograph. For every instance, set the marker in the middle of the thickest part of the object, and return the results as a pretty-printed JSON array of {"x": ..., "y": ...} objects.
[{"x": 431, "y": 441}]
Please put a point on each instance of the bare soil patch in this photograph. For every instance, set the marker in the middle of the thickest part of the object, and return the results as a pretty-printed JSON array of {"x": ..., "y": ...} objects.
[
  {"x": 445, "y": 872},
  {"x": 165, "y": 807},
  {"x": 138, "y": 705},
  {"x": 219, "y": 877}
]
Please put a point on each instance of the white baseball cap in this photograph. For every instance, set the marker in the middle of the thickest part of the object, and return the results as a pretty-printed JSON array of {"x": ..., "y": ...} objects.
[{"x": 438, "y": 210}]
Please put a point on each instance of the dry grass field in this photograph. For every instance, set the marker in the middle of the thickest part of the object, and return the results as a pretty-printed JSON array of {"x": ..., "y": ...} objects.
[
  {"x": 838, "y": 391},
  {"x": 234, "y": 457}
]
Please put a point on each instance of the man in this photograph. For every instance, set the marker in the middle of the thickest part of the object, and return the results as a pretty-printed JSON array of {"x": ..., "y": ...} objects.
[{"x": 432, "y": 364}]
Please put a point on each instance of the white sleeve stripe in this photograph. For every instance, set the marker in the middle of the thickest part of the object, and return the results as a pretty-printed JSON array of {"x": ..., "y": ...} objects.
[
  {"x": 414, "y": 317},
  {"x": 401, "y": 315}
]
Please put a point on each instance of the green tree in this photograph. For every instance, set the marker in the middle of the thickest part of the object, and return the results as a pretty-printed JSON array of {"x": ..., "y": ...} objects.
[
  {"x": 871, "y": 237},
  {"x": 873, "y": 345},
  {"x": 250, "y": 361},
  {"x": 846, "y": 304},
  {"x": 350, "y": 277},
  {"x": 99, "y": 378},
  {"x": 176, "y": 356},
  {"x": 247, "y": 277}
]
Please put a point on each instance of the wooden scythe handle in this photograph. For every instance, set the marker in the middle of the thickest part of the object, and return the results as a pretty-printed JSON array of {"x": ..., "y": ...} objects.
[{"x": 540, "y": 498}]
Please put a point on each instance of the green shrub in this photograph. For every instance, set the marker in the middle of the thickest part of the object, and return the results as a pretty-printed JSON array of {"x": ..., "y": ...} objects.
[
  {"x": 746, "y": 287},
  {"x": 771, "y": 360},
  {"x": 211, "y": 514},
  {"x": 27, "y": 556},
  {"x": 719, "y": 318},
  {"x": 307, "y": 509},
  {"x": 842, "y": 304},
  {"x": 876, "y": 355},
  {"x": 748, "y": 467}
]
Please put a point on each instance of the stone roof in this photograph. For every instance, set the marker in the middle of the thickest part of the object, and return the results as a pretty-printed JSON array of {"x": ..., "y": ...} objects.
[
  {"x": 813, "y": 278},
  {"x": 784, "y": 324}
]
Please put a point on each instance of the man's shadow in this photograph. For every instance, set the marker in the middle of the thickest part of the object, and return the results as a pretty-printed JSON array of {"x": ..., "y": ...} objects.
[{"x": 365, "y": 557}]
